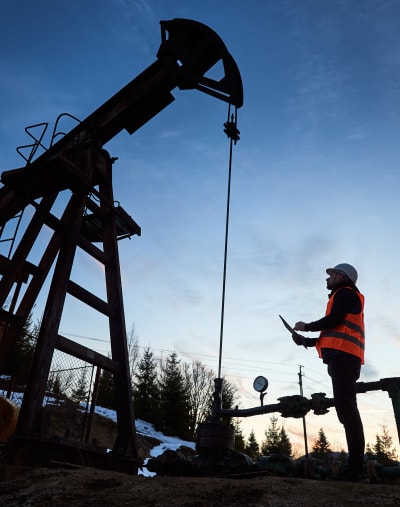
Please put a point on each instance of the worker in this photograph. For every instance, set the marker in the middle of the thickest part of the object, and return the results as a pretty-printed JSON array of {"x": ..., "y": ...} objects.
[{"x": 341, "y": 346}]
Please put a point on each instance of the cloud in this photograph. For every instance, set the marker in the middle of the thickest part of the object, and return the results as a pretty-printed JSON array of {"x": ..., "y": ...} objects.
[{"x": 369, "y": 372}]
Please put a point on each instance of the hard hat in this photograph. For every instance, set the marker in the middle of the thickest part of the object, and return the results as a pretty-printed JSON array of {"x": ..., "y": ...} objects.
[{"x": 347, "y": 269}]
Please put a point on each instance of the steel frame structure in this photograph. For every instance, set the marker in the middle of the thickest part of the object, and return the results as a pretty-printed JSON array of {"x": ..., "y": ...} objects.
[{"x": 78, "y": 164}]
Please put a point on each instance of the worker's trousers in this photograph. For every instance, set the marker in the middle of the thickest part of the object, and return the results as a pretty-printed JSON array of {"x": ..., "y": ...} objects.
[{"x": 344, "y": 370}]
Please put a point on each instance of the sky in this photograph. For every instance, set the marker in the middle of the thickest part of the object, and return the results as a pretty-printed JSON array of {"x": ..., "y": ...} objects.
[{"x": 314, "y": 181}]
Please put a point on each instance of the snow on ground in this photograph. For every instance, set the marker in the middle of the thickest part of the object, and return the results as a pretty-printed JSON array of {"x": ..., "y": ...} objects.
[
  {"x": 142, "y": 428},
  {"x": 146, "y": 429}
]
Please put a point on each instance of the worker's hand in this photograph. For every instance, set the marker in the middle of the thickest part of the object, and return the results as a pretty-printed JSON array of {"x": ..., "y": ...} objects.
[
  {"x": 299, "y": 326},
  {"x": 298, "y": 339}
]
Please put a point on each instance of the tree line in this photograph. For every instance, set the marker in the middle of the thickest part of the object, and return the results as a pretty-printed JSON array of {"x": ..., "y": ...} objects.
[
  {"x": 172, "y": 395},
  {"x": 276, "y": 441},
  {"x": 175, "y": 397}
]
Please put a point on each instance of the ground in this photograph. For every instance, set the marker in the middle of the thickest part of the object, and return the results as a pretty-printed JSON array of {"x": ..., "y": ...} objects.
[
  {"x": 93, "y": 487},
  {"x": 71, "y": 485}
]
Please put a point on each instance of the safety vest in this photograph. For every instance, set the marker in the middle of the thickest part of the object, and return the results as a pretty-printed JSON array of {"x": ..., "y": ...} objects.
[{"x": 349, "y": 336}]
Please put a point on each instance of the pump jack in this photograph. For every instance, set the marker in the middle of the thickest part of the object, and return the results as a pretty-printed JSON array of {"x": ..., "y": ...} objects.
[{"x": 78, "y": 163}]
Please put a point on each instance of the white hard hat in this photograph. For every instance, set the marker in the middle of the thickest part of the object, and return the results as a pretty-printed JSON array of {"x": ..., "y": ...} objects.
[{"x": 347, "y": 269}]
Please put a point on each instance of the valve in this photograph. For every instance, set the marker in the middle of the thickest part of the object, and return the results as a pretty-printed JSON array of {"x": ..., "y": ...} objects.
[
  {"x": 320, "y": 404},
  {"x": 294, "y": 406}
]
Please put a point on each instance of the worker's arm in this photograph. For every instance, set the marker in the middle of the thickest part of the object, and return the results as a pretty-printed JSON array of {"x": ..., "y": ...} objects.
[{"x": 346, "y": 301}]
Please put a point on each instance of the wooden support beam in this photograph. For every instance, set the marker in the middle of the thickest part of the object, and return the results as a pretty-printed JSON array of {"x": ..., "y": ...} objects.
[
  {"x": 88, "y": 298},
  {"x": 90, "y": 356}
]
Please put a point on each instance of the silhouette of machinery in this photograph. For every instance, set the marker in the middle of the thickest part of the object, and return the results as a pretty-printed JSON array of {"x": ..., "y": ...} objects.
[{"x": 77, "y": 163}]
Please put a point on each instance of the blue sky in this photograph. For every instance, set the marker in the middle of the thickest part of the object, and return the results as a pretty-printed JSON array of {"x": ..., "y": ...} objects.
[{"x": 314, "y": 179}]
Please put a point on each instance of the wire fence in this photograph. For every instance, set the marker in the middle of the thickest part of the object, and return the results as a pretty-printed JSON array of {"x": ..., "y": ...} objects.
[
  {"x": 68, "y": 404},
  {"x": 70, "y": 378}
]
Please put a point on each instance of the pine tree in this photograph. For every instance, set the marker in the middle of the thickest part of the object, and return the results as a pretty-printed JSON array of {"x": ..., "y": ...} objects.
[
  {"x": 321, "y": 449},
  {"x": 54, "y": 385},
  {"x": 106, "y": 390},
  {"x": 271, "y": 444},
  {"x": 286, "y": 446},
  {"x": 19, "y": 360},
  {"x": 174, "y": 400},
  {"x": 79, "y": 394},
  {"x": 383, "y": 450},
  {"x": 277, "y": 441},
  {"x": 239, "y": 437},
  {"x": 252, "y": 449},
  {"x": 146, "y": 389}
]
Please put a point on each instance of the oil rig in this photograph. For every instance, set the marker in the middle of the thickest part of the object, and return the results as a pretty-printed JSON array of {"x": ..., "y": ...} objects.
[{"x": 76, "y": 165}]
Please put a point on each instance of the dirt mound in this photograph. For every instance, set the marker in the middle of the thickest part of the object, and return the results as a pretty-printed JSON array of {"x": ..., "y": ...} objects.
[
  {"x": 93, "y": 487},
  {"x": 66, "y": 486},
  {"x": 66, "y": 421}
]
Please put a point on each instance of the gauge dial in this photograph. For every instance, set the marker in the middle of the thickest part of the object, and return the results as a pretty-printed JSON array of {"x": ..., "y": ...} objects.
[{"x": 260, "y": 384}]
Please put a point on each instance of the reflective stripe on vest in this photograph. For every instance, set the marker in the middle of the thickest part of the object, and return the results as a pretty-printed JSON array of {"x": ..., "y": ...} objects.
[{"x": 349, "y": 336}]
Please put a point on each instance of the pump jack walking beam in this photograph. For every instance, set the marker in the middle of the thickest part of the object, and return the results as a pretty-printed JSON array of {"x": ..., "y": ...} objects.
[
  {"x": 77, "y": 163},
  {"x": 188, "y": 50}
]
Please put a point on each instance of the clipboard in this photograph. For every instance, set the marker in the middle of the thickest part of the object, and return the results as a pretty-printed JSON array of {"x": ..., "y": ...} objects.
[{"x": 292, "y": 332}]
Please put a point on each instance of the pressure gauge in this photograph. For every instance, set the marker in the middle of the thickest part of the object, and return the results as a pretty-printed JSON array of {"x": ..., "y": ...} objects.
[{"x": 260, "y": 384}]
